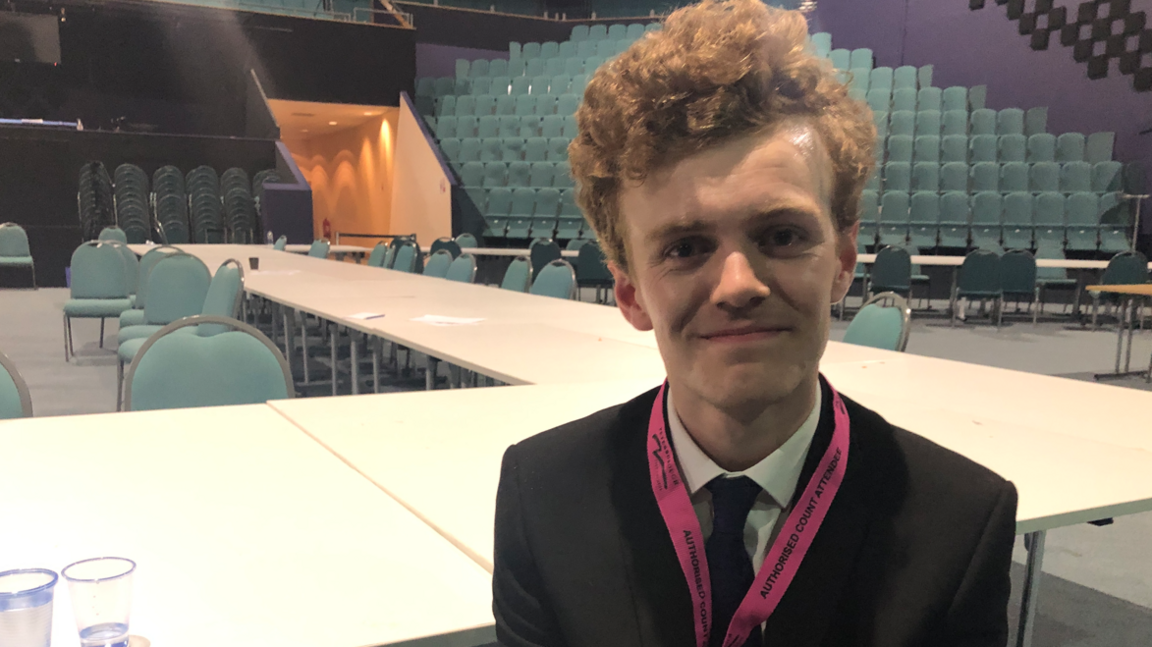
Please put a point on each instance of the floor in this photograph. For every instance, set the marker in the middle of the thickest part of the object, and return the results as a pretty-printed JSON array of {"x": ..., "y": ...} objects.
[{"x": 1097, "y": 584}]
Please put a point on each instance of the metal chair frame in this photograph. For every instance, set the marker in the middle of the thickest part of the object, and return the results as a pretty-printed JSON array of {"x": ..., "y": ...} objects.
[{"x": 905, "y": 314}]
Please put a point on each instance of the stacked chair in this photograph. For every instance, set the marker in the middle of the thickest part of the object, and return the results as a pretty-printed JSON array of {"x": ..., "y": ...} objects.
[
  {"x": 258, "y": 180},
  {"x": 131, "y": 194},
  {"x": 170, "y": 204},
  {"x": 205, "y": 208},
  {"x": 94, "y": 200},
  {"x": 239, "y": 207}
]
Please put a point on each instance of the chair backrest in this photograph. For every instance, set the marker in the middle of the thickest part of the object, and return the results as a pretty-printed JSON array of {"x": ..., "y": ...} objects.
[
  {"x": 880, "y": 326},
  {"x": 1018, "y": 272},
  {"x": 438, "y": 264},
  {"x": 1126, "y": 268},
  {"x": 591, "y": 265},
  {"x": 467, "y": 240},
  {"x": 113, "y": 233},
  {"x": 543, "y": 252},
  {"x": 892, "y": 270},
  {"x": 405, "y": 259},
  {"x": 448, "y": 244},
  {"x": 462, "y": 269},
  {"x": 319, "y": 249},
  {"x": 556, "y": 279},
  {"x": 98, "y": 272},
  {"x": 177, "y": 286},
  {"x": 15, "y": 402},
  {"x": 379, "y": 253},
  {"x": 13, "y": 241},
  {"x": 147, "y": 262},
  {"x": 224, "y": 295},
  {"x": 175, "y": 370},
  {"x": 131, "y": 264},
  {"x": 280, "y": 244},
  {"x": 518, "y": 275},
  {"x": 980, "y": 272}
]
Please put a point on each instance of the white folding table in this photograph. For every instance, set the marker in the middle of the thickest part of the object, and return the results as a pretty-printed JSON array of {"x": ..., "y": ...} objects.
[{"x": 244, "y": 530}]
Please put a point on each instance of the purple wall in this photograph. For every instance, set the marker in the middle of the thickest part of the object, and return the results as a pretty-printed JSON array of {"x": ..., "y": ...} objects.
[
  {"x": 983, "y": 47},
  {"x": 440, "y": 60}
]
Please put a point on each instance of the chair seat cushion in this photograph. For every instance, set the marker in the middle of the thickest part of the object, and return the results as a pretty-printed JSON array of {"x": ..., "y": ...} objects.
[
  {"x": 96, "y": 307},
  {"x": 131, "y": 318},
  {"x": 15, "y": 260},
  {"x": 143, "y": 331}
]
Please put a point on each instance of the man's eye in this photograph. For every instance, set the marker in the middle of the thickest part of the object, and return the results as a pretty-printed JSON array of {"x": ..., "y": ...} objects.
[
  {"x": 684, "y": 249},
  {"x": 784, "y": 237}
]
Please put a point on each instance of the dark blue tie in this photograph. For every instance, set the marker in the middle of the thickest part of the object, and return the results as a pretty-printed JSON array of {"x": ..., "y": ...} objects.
[{"x": 728, "y": 563}]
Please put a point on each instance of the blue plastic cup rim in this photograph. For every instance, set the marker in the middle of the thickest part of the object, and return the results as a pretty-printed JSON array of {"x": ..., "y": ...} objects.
[
  {"x": 33, "y": 597},
  {"x": 131, "y": 568}
]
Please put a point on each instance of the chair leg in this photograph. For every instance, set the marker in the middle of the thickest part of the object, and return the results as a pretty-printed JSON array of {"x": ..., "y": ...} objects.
[
  {"x": 119, "y": 385},
  {"x": 101, "y": 332},
  {"x": 67, "y": 326}
]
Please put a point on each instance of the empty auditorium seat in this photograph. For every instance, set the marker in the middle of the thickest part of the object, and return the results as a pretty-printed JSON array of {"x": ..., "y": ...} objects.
[
  {"x": 902, "y": 122},
  {"x": 1070, "y": 147},
  {"x": 983, "y": 148},
  {"x": 1013, "y": 148},
  {"x": 954, "y": 176},
  {"x": 904, "y": 99},
  {"x": 898, "y": 176},
  {"x": 1014, "y": 176},
  {"x": 1036, "y": 121},
  {"x": 900, "y": 148},
  {"x": 1044, "y": 176},
  {"x": 982, "y": 122},
  {"x": 954, "y": 148},
  {"x": 1099, "y": 147},
  {"x": 928, "y": 122},
  {"x": 1017, "y": 220},
  {"x": 927, "y": 149},
  {"x": 1010, "y": 121},
  {"x": 894, "y": 218},
  {"x": 985, "y": 176},
  {"x": 1082, "y": 230},
  {"x": 904, "y": 77},
  {"x": 926, "y": 176},
  {"x": 1106, "y": 177},
  {"x": 557, "y": 149},
  {"x": 955, "y": 98},
  {"x": 955, "y": 122},
  {"x": 1041, "y": 148}
]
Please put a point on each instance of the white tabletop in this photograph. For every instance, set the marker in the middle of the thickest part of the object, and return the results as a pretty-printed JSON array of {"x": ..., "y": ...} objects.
[
  {"x": 332, "y": 249},
  {"x": 245, "y": 531},
  {"x": 393, "y": 438},
  {"x": 956, "y": 261}
]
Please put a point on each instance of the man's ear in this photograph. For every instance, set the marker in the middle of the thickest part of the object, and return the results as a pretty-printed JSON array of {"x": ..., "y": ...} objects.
[
  {"x": 629, "y": 300},
  {"x": 846, "y": 248}
]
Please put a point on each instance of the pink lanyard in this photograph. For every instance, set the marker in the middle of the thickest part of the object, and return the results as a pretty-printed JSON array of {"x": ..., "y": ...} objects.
[{"x": 783, "y": 558}]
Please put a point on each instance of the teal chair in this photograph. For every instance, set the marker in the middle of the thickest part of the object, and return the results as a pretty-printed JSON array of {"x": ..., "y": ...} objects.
[
  {"x": 1125, "y": 268},
  {"x": 99, "y": 288},
  {"x": 592, "y": 269},
  {"x": 15, "y": 402},
  {"x": 281, "y": 244},
  {"x": 405, "y": 259},
  {"x": 556, "y": 279},
  {"x": 462, "y": 269},
  {"x": 113, "y": 233},
  {"x": 1053, "y": 277},
  {"x": 881, "y": 326},
  {"x": 438, "y": 264},
  {"x": 319, "y": 249},
  {"x": 467, "y": 240},
  {"x": 135, "y": 316},
  {"x": 542, "y": 251},
  {"x": 1018, "y": 280},
  {"x": 172, "y": 371},
  {"x": 389, "y": 257},
  {"x": 445, "y": 243},
  {"x": 518, "y": 276},
  {"x": 379, "y": 253},
  {"x": 892, "y": 272},
  {"x": 131, "y": 267},
  {"x": 979, "y": 278},
  {"x": 14, "y": 251},
  {"x": 223, "y": 299},
  {"x": 177, "y": 286}
]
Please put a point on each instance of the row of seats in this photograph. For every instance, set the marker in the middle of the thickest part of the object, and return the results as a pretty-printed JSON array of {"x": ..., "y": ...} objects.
[
  {"x": 616, "y": 32},
  {"x": 569, "y": 78},
  {"x": 902, "y": 78},
  {"x": 529, "y": 125},
  {"x": 516, "y": 174},
  {"x": 529, "y": 213},
  {"x": 484, "y": 105},
  {"x": 1081, "y": 221},
  {"x": 507, "y": 149},
  {"x": 985, "y": 122},
  {"x": 991, "y": 176},
  {"x": 1067, "y": 148}
]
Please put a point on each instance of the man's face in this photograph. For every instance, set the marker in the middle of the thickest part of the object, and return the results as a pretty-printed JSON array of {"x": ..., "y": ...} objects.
[{"x": 734, "y": 262}]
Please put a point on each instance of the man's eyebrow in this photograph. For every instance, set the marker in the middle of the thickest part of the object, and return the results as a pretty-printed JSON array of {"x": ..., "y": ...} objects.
[{"x": 680, "y": 228}]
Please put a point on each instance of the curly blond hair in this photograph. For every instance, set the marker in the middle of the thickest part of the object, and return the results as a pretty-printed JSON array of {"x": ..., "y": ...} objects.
[{"x": 718, "y": 69}]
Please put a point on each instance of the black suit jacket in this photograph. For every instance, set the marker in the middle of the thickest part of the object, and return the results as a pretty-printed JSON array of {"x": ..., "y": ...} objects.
[{"x": 915, "y": 549}]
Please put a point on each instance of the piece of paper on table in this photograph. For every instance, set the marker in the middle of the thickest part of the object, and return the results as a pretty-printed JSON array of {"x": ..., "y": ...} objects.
[
  {"x": 364, "y": 316},
  {"x": 441, "y": 320}
]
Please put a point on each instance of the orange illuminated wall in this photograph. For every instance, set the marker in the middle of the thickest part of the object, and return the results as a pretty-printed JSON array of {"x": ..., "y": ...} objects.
[{"x": 351, "y": 173}]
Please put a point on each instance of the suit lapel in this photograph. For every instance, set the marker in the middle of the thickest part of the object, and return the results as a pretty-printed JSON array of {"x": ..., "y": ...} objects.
[{"x": 811, "y": 609}]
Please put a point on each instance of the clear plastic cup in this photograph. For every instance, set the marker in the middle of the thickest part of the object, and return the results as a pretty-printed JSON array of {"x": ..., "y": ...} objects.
[
  {"x": 26, "y": 607},
  {"x": 101, "y": 590}
]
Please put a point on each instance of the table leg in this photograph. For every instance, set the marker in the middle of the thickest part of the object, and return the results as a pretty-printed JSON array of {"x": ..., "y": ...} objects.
[
  {"x": 1119, "y": 332},
  {"x": 333, "y": 333},
  {"x": 1131, "y": 329},
  {"x": 304, "y": 345},
  {"x": 429, "y": 373},
  {"x": 355, "y": 357},
  {"x": 375, "y": 364},
  {"x": 287, "y": 338},
  {"x": 1032, "y": 570}
]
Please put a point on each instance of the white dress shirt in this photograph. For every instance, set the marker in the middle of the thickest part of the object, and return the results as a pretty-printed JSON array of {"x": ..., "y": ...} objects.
[{"x": 777, "y": 473}]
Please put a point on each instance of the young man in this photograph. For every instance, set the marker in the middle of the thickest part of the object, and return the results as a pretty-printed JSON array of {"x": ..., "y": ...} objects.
[{"x": 744, "y": 502}]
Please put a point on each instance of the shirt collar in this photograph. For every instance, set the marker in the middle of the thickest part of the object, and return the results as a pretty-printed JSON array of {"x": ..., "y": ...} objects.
[{"x": 777, "y": 473}]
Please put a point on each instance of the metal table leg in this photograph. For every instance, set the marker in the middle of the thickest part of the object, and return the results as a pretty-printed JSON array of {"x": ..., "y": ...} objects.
[
  {"x": 355, "y": 358},
  {"x": 287, "y": 338},
  {"x": 333, "y": 333},
  {"x": 1127, "y": 305},
  {"x": 304, "y": 345},
  {"x": 1032, "y": 570},
  {"x": 1131, "y": 329},
  {"x": 429, "y": 374},
  {"x": 375, "y": 341}
]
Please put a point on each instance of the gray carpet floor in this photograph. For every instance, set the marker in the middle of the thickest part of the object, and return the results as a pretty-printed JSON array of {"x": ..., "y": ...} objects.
[{"x": 1097, "y": 585}]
